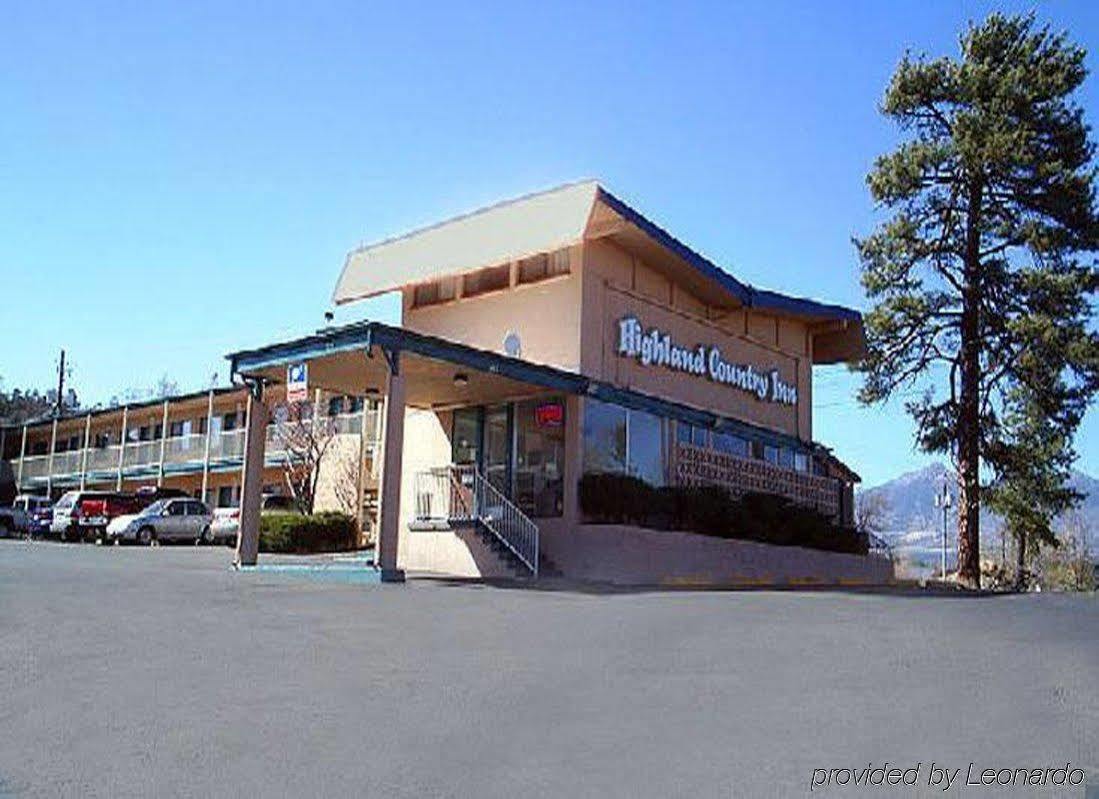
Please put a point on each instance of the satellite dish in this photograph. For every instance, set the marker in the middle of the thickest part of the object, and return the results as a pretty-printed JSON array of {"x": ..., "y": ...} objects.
[{"x": 512, "y": 346}]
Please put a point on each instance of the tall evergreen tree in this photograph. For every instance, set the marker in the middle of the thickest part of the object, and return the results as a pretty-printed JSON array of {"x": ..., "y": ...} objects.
[
  {"x": 987, "y": 260},
  {"x": 1031, "y": 485}
]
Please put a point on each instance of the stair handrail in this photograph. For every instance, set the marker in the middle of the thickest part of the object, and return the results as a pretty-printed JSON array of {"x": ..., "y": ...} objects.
[
  {"x": 459, "y": 492},
  {"x": 511, "y": 526}
]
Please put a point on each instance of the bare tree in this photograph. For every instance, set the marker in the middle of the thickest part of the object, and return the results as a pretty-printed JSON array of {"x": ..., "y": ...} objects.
[
  {"x": 164, "y": 388},
  {"x": 305, "y": 439},
  {"x": 345, "y": 485},
  {"x": 871, "y": 513}
]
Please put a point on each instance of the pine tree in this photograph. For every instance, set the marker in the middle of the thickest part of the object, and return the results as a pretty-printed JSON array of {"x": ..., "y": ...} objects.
[{"x": 986, "y": 262}]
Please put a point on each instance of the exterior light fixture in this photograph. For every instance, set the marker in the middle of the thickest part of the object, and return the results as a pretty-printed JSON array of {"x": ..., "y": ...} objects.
[{"x": 461, "y": 380}]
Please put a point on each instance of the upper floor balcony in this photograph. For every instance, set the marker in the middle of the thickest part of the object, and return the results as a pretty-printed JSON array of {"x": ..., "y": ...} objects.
[{"x": 189, "y": 453}]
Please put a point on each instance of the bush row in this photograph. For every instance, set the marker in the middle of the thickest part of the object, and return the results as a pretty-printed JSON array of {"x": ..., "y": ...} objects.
[
  {"x": 298, "y": 534},
  {"x": 713, "y": 511}
]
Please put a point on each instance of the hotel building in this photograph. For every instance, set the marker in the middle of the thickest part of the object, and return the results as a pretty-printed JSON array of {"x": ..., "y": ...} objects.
[{"x": 558, "y": 334}]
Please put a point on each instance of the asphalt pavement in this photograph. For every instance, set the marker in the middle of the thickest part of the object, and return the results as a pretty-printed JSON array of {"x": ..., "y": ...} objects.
[{"x": 162, "y": 672}]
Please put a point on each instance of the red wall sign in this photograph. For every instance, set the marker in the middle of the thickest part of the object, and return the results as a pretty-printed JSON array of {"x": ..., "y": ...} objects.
[{"x": 552, "y": 414}]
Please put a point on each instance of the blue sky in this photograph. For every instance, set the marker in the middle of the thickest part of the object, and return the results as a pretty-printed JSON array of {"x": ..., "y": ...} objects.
[{"x": 181, "y": 180}]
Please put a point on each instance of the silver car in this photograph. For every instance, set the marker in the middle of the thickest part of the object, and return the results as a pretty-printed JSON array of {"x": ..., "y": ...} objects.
[{"x": 176, "y": 519}]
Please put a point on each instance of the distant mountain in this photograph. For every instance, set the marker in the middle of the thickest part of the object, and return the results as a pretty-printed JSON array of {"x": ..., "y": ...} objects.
[{"x": 912, "y": 518}]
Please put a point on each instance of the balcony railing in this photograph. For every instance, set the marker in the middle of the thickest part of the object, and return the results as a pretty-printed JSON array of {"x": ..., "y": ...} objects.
[
  {"x": 103, "y": 460},
  {"x": 227, "y": 446},
  {"x": 185, "y": 449},
  {"x": 34, "y": 467},
  {"x": 141, "y": 454},
  {"x": 188, "y": 450},
  {"x": 67, "y": 463}
]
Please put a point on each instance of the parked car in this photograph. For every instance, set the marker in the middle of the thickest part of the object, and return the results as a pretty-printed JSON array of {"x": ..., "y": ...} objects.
[
  {"x": 25, "y": 516},
  {"x": 98, "y": 510},
  {"x": 147, "y": 495},
  {"x": 28, "y": 515},
  {"x": 178, "y": 519},
  {"x": 226, "y": 523},
  {"x": 69, "y": 517}
]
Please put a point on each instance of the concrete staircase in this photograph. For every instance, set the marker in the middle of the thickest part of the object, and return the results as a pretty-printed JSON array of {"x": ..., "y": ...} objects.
[{"x": 546, "y": 567}]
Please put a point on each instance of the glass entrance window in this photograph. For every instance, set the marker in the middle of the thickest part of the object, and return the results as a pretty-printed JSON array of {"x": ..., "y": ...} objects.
[
  {"x": 647, "y": 447},
  {"x": 497, "y": 460},
  {"x": 540, "y": 457},
  {"x": 621, "y": 441},
  {"x": 465, "y": 440},
  {"x": 604, "y": 437}
]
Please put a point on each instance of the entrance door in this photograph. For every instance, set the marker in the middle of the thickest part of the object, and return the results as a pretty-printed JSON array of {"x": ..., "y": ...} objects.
[
  {"x": 497, "y": 452},
  {"x": 466, "y": 438}
]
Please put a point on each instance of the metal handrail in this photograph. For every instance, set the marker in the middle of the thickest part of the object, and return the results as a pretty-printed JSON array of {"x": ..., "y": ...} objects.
[{"x": 463, "y": 494}]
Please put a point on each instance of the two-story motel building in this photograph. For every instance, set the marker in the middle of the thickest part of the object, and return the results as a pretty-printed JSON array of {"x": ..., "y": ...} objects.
[
  {"x": 191, "y": 442},
  {"x": 555, "y": 334}
]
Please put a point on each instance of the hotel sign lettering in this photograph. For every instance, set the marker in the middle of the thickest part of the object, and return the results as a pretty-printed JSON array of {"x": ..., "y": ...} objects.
[{"x": 653, "y": 347}]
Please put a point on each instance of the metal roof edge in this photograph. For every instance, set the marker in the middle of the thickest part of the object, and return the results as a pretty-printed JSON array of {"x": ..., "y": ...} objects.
[{"x": 748, "y": 295}]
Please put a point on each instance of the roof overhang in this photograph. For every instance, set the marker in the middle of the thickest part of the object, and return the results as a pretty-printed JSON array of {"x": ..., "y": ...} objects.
[
  {"x": 500, "y": 233},
  {"x": 566, "y": 216}
]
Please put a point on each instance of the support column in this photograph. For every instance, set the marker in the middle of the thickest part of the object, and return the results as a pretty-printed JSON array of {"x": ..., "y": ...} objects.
[
  {"x": 389, "y": 532},
  {"x": 206, "y": 453},
  {"x": 379, "y": 432},
  {"x": 574, "y": 459},
  {"x": 122, "y": 447},
  {"x": 163, "y": 443},
  {"x": 251, "y": 492},
  {"x": 84, "y": 454},
  {"x": 361, "y": 470},
  {"x": 49, "y": 464},
  {"x": 22, "y": 455}
]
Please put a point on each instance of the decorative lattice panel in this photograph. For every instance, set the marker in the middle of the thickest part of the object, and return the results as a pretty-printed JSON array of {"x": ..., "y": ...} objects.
[{"x": 696, "y": 466}]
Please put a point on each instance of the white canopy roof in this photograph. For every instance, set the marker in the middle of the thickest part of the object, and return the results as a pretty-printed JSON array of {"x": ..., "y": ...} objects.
[
  {"x": 500, "y": 233},
  {"x": 567, "y": 215}
]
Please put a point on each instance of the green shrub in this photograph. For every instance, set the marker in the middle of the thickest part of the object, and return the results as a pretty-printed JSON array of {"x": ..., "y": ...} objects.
[
  {"x": 713, "y": 511},
  {"x": 298, "y": 534}
]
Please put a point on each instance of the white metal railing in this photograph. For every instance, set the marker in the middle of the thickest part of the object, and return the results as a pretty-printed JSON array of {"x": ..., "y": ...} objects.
[
  {"x": 298, "y": 432},
  {"x": 141, "y": 453},
  {"x": 68, "y": 463},
  {"x": 224, "y": 446},
  {"x": 34, "y": 466},
  {"x": 185, "y": 449},
  {"x": 104, "y": 459},
  {"x": 462, "y": 494},
  {"x": 227, "y": 445}
]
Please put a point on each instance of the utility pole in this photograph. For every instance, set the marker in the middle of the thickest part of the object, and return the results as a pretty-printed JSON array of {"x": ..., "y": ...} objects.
[
  {"x": 60, "y": 386},
  {"x": 944, "y": 500}
]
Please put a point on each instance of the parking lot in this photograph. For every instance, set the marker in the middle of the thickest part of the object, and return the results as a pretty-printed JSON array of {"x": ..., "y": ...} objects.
[{"x": 159, "y": 671}]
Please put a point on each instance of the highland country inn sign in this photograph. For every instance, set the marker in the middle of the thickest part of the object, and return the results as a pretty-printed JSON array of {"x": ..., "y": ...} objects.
[{"x": 654, "y": 347}]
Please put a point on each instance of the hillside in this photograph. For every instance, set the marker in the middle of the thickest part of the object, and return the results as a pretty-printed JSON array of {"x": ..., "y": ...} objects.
[{"x": 913, "y": 520}]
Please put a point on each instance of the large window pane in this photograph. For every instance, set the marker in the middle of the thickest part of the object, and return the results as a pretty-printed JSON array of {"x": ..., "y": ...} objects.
[
  {"x": 540, "y": 457},
  {"x": 604, "y": 437},
  {"x": 466, "y": 438},
  {"x": 646, "y": 447},
  {"x": 731, "y": 444}
]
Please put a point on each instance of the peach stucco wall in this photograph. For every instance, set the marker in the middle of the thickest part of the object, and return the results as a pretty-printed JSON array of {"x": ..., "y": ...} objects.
[
  {"x": 616, "y": 285},
  {"x": 545, "y": 315},
  {"x": 634, "y": 556},
  {"x": 571, "y": 322},
  {"x": 455, "y": 553}
]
